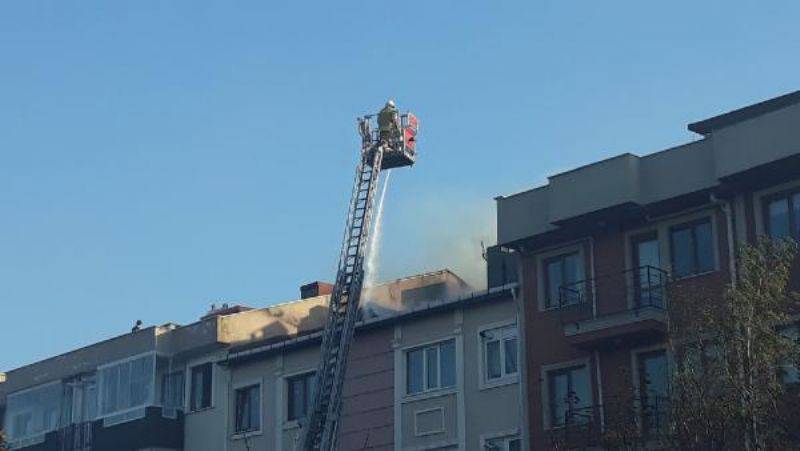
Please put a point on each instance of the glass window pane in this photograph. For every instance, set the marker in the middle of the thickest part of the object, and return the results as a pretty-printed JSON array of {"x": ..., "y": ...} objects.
[
  {"x": 493, "y": 359},
  {"x": 414, "y": 376},
  {"x": 432, "y": 367},
  {"x": 558, "y": 391},
  {"x": 572, "y": 269},
  {"x": 682, "y": 252},
  {"x": 448, "y": 363},
  {"x": 778, "y": 212},
  {"x": 514, "y": 444},
  {"x": 580, "y": 391},
  {"x": 554, "y": 282},
  {"x": 511, "y": 355},
  {"x": 201, "y": 386},
  {"x": 705, "y": 247}
]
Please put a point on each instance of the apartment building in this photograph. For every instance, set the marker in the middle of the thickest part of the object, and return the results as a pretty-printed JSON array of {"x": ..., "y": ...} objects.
[
  {"x": 433, "y": 366},
  {"x": 596, "y": 244}
]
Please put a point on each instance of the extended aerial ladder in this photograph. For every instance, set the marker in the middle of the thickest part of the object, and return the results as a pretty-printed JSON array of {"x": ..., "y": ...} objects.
[{"x": 383, "y": 147}]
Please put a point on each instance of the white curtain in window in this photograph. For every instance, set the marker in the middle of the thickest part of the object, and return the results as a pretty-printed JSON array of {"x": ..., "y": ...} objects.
[
  {"x": 127, "y": 385},
  {"x": 32, "y": 412}
]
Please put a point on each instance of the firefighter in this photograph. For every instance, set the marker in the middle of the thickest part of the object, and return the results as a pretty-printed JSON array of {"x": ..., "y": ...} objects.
[{"x": 389, "y": 123}]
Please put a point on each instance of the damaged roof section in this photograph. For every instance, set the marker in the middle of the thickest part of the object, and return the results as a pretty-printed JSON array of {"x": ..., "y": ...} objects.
[{"x": 234, "y": 326}]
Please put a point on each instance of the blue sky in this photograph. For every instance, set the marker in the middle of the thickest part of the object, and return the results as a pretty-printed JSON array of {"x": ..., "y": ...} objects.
[{"x": 156, "y": 156}]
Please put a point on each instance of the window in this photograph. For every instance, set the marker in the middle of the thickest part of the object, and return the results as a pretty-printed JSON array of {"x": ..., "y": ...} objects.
[
  {"x": 127, "y": 385},
  {"x": 783, "y": 215},
  {"x": 692, "y": 248},
  {"x": 33, "y": 412},
  {"x": 172, "y": 388},
  {"x": 301, "y": 395},
  {"x": 653, "y": 388},
  {"x": 503, "y": 444},
  {"x": 431, "y": 367},
  {"x": 649, "y": 279},
  {"x": 569, "y": 395},
  {"x": 248, "y": 409},
  {"x": 500, "y": 354},
  {"x": 562, "y": 275},
  {"x": 200, "y": 395}
]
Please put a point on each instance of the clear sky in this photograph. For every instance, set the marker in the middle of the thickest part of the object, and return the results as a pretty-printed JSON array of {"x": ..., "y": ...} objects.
[{"x": 158, "y": 156}]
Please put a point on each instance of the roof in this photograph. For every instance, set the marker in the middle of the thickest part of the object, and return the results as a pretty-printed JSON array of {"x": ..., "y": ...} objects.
[
  {"x": 706, "y": 126},
  {"x": 257, "y": 350}
]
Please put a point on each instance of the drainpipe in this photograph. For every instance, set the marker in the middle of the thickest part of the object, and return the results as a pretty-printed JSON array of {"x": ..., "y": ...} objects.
[
  {"x": 729, "y": 210},
  {"x": 519, "y": 302}
]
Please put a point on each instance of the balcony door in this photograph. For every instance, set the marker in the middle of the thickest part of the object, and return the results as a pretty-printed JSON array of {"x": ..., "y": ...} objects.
[{"x": 647, "y": 274}]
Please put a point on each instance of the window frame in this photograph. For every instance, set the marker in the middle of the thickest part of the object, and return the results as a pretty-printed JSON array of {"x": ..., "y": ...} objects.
[
  {"x": 426, "y": 389},
  {"x": 8, "y": 421},
  {"x": 247, "y": 385},
  {"x": 309, "y": 376},
  {"x": 554, "y": 304},
  {"x": 506, "y": 438},
  {"x": 181, "y": 391},
  {"x": 794, "y": 222},
  {"x": 190, "y": 408},
  {"x": 585, "y": 250},
  {"x": 483, "y": 354},
  {"x": 637, "y": 376},
  {"x": 692, "y": 225},
  {"x": 546, "y": 370},
  {"x": 101, "y": 386}
]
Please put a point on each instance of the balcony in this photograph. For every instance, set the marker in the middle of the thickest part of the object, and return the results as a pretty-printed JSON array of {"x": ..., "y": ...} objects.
[
  {"x": 605, "y": 311},
  {"x": 618, "y": 423}
]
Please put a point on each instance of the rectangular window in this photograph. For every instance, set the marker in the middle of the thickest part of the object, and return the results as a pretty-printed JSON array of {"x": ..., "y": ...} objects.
[
  {"x": 127, "y": 385},
  {"x": 33, "y": 412},
  {"x": 200, "y": 395},
  {"x": 431, "y": 367},
  {"x": 248, "y": 409},
  {"x": 653, "y": 388},
  {"x": 562, "y": 280},
  {"x": 512, "y": 443},
  {"x": 783, "y": 215},
  {"x": 692, "y": 248},
  {"x": 569, "y": 394},
  {"x": 300, "y": 395},
  {"x": 172, "y": 389},
  {"x": 649, "y": 279},
  {"x": 500, "y": 352}
]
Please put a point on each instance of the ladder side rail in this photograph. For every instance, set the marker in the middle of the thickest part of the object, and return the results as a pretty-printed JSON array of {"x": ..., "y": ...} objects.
[
  {"x": 346, "y": 293},
  {"x": 329, "y": 438}
]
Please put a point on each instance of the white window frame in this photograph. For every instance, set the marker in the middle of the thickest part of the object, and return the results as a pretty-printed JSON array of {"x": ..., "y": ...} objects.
[
  {"x": 505, "y": 379},
  {"x": 261, "y": 402},
  {"x": 188, "y": 385},
  {"x": 30, "y": 438},
  {"x": 123, "y": 415},
  {"x": 759, "y": 205},
  {"x": 426, "y": 391},
  {"x": 284, "y": 387},
  {"x": 545, "y": 386},
  {"x": 566, "y": 249},
  {"x": 505, "y": 436}
]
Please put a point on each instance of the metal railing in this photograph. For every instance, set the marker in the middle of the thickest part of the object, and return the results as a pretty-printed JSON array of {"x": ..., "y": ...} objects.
[
  {"x": 616, "y": 422},
  {"x": 645, "y": 286}
]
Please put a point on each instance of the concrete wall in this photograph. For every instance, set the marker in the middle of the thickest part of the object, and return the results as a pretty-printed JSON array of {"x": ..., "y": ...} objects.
[
  {"x": 757, "y": 141},
  {"x": 644, "y": 180}
]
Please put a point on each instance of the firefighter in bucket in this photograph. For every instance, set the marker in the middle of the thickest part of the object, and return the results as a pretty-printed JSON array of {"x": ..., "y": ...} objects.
[{"x": 389, "y": 124}]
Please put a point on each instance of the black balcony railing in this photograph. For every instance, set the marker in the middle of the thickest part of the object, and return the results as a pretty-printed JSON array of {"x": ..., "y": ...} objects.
[
  {"x": 645, "y": 286},
  {"x": 616, "y": 423}
]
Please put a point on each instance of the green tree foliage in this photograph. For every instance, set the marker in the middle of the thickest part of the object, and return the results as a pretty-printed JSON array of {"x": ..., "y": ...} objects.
[{"x": 732, "y": 353}]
